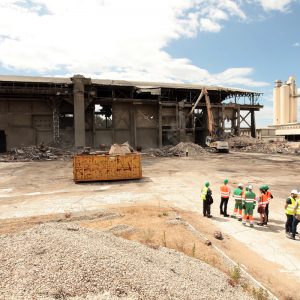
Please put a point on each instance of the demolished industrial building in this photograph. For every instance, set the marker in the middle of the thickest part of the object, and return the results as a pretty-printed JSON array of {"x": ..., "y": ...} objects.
[{"x": 80, "y": 111}]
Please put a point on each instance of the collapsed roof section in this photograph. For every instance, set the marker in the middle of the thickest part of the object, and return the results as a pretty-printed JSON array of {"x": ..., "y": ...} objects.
[{"x": 103, "y": 88}]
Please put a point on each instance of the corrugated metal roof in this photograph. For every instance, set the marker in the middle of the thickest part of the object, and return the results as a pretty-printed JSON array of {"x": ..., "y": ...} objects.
[
  {"x": 169, "y": 85},
  {"x": 58, "y": 80},
  {"x": 144, "y": 84}
]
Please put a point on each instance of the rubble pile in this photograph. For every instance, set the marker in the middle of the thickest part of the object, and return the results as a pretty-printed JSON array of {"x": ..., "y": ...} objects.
[
  {"x": 269, "y": 148},
  {"x": 241, "y": 141},
  {"x": 249, "y": 144},
  {"x": 192, "y": 149},
  {"x": 120, "y": 149},
  {"x": 32, "y": 153},
  {"x": 181, "y": 149}
]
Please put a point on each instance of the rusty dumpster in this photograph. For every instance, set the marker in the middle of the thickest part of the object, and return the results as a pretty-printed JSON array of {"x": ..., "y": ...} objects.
[{"x": 95, "y": 167}]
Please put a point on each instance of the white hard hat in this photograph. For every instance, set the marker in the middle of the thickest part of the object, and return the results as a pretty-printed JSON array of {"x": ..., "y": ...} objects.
[
  {"x": 294, "y": 192},
  {"x": 240, "y": 185},
  {"x": 250, "y": 187}
]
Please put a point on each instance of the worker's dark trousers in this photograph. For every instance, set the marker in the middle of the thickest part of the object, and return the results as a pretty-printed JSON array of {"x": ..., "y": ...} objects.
[
  {"x": 294, "y": 226},
  {"x": 206, "y": 208},
  {"x": 288, "y": 224},
  {"x": 223, "y": 206},
  {"x": 267, "y": 213}
]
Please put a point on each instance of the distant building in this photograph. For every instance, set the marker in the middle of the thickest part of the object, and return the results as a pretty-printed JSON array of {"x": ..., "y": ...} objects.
[
  {"x": 267, "y": 134},
  {"x": 286, "y": 109}
]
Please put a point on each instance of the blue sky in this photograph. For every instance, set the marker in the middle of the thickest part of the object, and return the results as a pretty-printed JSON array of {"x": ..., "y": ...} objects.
[{"x": 241, "y": 43}]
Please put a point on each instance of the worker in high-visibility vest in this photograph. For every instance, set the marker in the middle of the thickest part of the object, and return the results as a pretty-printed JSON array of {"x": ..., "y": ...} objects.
[
  {"x": 296, "y": 218},
  {"x": 263, "y": 204},
  {"x": 237, "y": 195},
  {"x": 225, "y": 193},
  {"x": 206, "y": 197},
  {"x": 289, "y": 211},
  {"x": 249, "y": 202},
  {"x": 269, "y": 197}
]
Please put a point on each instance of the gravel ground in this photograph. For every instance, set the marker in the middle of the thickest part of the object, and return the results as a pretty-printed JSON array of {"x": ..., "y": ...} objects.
[{"x": 63, "y": 261}]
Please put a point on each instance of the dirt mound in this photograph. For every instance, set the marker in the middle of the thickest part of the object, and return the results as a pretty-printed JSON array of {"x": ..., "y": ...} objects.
[
  {"x": 179, "y": 150},
  {"x": 53, "y": 262},
  {"x": 31, "y": 153}
]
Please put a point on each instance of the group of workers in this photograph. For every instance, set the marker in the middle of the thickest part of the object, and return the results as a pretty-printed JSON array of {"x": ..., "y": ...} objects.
[{"x": 246, "y": 201}]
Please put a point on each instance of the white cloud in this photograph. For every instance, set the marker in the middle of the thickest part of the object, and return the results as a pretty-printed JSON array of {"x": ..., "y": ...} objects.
[
  {"x": 264, "y": 117},
  {"x": 281, "y": 5},
  {"x": 113, "y": 38},
  {"x": 209, "y": 25},
  {"x": 296, "y": 44}
]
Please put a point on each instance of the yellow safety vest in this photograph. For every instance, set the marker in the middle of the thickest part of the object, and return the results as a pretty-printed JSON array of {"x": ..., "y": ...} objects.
[
  {"x": 298, "y": 207},
  {"x": 203, "y": 193},
  {"x": 290, "y": 208}
]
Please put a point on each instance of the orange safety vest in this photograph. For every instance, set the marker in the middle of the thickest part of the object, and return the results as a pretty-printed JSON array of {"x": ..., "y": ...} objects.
[
  {"x": 269, "y": 196},
  {"x": 225, "y": 191},
  {"x": 265, "y": 199}
]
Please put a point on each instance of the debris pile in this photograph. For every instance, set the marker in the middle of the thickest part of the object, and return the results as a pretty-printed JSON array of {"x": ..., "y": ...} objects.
[
  {"x": 181, "y": 149},
  {"x": 57, "y": 261},
  {"x": 249, "y": 144},
  {"x": 269, "y": 148},
  {"x": 192, "y": 149},
  {"x": 32, "y": 153},
  {"x": 120, "y": 149},
  {"x": 241, "y": 141}
]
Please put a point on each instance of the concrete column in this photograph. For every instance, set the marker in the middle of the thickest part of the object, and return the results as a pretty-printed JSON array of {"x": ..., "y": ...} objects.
[
  {"x": 253, "y": 125},
  {"x": 133, "y": 125},
  {"x": 160, "y": 125},
  {"x": 79, "y": 109},
  {"x": 238, "y": 125},
  {"x": 223, "y": 118}
]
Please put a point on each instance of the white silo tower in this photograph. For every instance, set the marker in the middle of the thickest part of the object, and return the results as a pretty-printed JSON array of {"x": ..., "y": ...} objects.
[
  {"x": 293, "y": 99},
  {"x": 284, "y": 103},
  {"x": 276, "y": 102}
]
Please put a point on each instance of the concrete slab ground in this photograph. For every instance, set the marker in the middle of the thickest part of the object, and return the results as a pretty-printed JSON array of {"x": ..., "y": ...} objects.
[{"x": 40, "y": 188}]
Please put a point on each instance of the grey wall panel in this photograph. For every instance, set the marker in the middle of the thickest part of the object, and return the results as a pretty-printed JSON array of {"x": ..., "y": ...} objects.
[
  {"x": 122, "y": 136},
  {"x": 147, "y": 138},
  {"x": 19, "y": 119},
  {"x": 3, "y": 106},
  {"x": 20, "y": 107},
  {"x": 66, "y": 137},
  {"x": 89, "y": 138},
  {"x": 121, "y": 115},
  {"x": 42, "y": 121},
  {"x": 103, "y": 137},
  {"x": 146, "y": 116},
  {"x": 3, "y": 120},
  {"x": 17, "y": 137},
  {"x": 41, "y": 108},
  {"x": 44, "y": 136}
]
